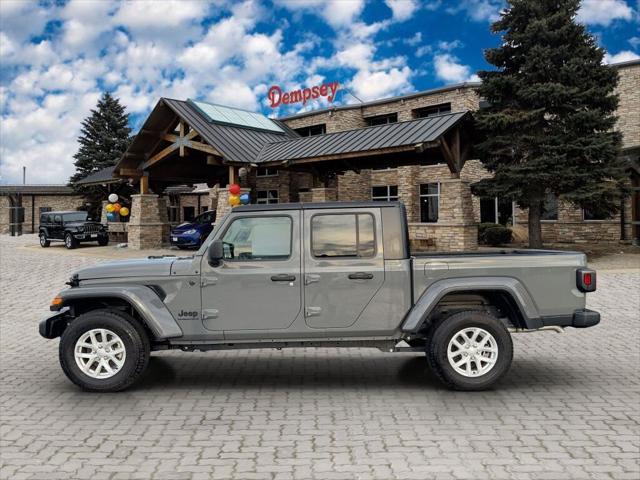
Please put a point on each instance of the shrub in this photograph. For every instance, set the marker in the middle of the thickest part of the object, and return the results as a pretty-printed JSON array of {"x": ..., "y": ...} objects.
[{"x": 494, "y": 235}]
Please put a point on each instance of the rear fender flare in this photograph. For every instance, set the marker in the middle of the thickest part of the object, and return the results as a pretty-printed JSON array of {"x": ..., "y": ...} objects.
[
  {"x": 433, "y": 294},
  {"x": 144, "y": 300}
]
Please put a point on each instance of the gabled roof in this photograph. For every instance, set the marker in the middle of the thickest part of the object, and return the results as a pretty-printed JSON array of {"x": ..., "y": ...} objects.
[
  {"x": 378, "y": 137},
  {"x": 36, "y": 189},
  {"x": 101, "y": 176},
  {"x": 235, "y": 143}
]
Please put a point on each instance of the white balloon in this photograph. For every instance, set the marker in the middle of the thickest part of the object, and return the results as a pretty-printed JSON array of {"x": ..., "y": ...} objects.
[{"x": 113, "y": 198}]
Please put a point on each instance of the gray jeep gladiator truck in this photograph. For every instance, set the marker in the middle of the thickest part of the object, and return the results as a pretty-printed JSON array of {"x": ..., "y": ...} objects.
[{"x": 316, "y": 275}]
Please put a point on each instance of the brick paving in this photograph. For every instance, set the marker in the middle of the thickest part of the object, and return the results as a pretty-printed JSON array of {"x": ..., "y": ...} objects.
[{"x": 568, "y": 409}]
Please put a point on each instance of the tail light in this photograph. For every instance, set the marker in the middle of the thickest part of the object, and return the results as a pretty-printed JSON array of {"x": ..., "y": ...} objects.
[{"x": 586, "y": 280}]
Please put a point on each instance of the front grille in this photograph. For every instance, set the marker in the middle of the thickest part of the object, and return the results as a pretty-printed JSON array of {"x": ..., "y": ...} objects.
[{"x": 91, "y": 228}]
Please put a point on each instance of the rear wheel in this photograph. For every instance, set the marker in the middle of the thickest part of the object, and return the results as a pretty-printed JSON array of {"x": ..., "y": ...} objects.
[
  {"x": 44, "y": 241},
  {"x": 469, "y": 350},
  {"x": 104, "y": 351},
  {"x": 103, "y": 241},
  {"x": 69, "y": 241}
]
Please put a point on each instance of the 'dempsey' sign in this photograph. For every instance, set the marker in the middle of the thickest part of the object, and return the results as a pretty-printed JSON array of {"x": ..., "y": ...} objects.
[{"x": 277, "y": 97}]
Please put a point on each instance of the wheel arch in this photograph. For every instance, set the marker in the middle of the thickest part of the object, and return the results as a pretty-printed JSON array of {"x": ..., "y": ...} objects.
[
  {"x": 505, "y": 294},
  {"x": 139, "y": 301}
]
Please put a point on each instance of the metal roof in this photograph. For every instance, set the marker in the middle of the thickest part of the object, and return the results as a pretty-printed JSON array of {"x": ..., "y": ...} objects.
[
  {"x": 36, "y": 189},
  {"x": 363, "y": 140},
  {"x": 101, "y": 176},
  {"x": 236, "y": 144}
]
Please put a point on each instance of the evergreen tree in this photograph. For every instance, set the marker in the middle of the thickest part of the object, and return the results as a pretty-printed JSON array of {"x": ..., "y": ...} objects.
[
  {"x": 103, "y": 140},
  {"x": 549, "y": 126}
]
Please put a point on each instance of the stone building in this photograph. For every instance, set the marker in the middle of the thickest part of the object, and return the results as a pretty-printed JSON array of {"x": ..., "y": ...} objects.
[{"x": 34, "y": 200}]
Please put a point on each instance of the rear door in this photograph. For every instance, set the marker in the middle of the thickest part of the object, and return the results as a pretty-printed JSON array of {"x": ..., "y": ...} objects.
[{"x": 343, "y": 265}]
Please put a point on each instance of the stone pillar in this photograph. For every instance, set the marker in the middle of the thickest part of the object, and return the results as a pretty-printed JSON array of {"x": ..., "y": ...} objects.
[
  {"x": 305, "y": 197},
  {"x": 324, "y": 194},
  {"x": 409, "y": 191},
  {"x": 213, "y": 197},
  {"x": 354, "y": 186},
  {"x": 223, "y": 206},
  {"x": 456, "y": 229},
  {"x": 149, "y": 223},
  {"x": 103, "y": 212}
]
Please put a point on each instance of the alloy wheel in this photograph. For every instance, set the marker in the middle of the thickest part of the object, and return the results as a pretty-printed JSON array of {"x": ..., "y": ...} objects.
[
  {"x": 100, "y": 353},
  {"x": 472, "y": 352}
]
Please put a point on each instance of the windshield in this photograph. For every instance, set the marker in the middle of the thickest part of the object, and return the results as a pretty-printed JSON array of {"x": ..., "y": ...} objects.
[{"x": 75, "y": 217}]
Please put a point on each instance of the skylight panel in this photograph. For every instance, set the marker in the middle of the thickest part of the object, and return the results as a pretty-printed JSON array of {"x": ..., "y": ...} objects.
[{"x": 235, "y": 116}]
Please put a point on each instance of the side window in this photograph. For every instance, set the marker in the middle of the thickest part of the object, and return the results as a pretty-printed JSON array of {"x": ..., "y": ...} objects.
[
  {"x": 258, "y": 238},
  {"x": 343, "y": 236}
]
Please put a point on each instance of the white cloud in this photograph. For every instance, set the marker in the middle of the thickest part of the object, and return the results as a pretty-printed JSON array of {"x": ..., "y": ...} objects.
[
  {"x": 448, "y": 46},
  {"x": 415, "y": 40},
  {"x": 479, "y": 10},
  {"x": 449, "y": 69},
  {"x": 402, "y": 9},
  {"x": 634, "y": 42},
  {"x": 369, "y": 85},
  {"x": 624, "y": 56},
  {"x": 337, "y": 13},
  {"x": 603, "y": 12}
]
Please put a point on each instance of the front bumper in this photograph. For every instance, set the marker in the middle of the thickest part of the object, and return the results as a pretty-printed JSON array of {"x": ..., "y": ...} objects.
[
  {"x": 90, "y": 236},
  {"x": 184, "y": 240},
  {"x": 582, "y": 318},
  {"x": 54, "y": 325}
]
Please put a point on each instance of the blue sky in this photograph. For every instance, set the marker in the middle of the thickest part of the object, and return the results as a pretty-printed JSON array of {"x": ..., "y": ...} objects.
[{"x": 57, "y": 57}]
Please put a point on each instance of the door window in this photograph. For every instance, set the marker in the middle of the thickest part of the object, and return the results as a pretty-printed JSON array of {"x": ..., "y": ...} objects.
[
  {"x": 346, "y": 236},
  {"x": 258, "y": 238}
]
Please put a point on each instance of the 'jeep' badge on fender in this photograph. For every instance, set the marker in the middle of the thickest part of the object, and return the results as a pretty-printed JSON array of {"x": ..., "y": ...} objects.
[{"x": 187, "y": 315}]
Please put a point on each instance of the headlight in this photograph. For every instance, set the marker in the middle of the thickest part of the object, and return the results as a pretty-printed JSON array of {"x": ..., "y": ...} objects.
[
  {"x": 81, "y": 229},
  {"x": 191, "y": 232}
]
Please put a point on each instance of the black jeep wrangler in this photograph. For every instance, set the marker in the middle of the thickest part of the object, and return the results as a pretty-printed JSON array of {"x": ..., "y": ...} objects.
[{"x": 71, "y": 228}]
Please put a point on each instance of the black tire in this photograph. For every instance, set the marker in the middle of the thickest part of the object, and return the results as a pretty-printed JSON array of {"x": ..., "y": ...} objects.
[
  {"x": 134, "y": 338},
  {"x": 44, "y": 241},
  {"x": 103, "y": 241},
  {"x": 69, "y": 241},
  {"x": 441, "y": 335}
]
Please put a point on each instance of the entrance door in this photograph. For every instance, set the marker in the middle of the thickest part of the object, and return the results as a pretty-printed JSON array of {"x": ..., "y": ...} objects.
[
  {"x": 258, "y": 284},
  {"x": 344, "y": 265}
]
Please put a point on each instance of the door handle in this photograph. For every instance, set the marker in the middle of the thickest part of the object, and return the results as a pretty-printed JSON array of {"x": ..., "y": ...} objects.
[
  {"x": 360, "y": 276},
  {"x": 283, "y": 277}
]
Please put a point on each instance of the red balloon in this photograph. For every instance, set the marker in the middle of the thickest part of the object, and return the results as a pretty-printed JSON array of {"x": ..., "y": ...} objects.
[{"x": 234, "y": 189}]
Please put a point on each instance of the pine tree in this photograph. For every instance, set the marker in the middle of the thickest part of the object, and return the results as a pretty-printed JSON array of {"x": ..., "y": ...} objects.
[
  {"x": 103, "y": 139},
  {"x": 549, "y": 126}
]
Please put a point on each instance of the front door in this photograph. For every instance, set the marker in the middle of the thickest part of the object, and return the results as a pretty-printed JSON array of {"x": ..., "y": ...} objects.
[
  {"x": 258, "y": 284},
  {"x": 344, "y": 265}
]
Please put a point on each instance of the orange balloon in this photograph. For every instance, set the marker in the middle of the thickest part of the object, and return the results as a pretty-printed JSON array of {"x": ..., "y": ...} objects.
[{"x": 116, "y": 207}]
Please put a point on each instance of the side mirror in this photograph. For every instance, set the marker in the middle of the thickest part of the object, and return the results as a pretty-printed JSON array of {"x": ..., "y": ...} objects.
[{"x": 216, "y": 252}]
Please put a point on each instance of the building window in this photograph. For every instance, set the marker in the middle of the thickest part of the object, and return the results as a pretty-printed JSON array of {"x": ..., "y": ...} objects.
[
  {"x": 496, "y": 210},
  {"x": 382, "y": 119},
  {"x": 266, "y": 172},
  {"x": 432, "y": 110},
  {"x": 429, "y": 202},
  {"x": 312, "y": 130},
  {"x": 594, "y": 214},
  {"x": 188, "y": 213},
  {"x": 550, "y": 207},
  {"x": 387, "y": 193},
  {"x": 267, "y": 196},
  {"x": 45, "y": 209},
  {"x": 341, "y": 235}
]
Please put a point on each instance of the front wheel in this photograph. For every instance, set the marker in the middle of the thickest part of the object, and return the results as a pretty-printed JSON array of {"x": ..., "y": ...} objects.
[
  {"x": 103, "y": 241},
  {"x": 469, "y": 350},
  {"x": 104, "y": 351},
  {"x": 69, "y": 241},
  {"x": 44, "y": 241}
]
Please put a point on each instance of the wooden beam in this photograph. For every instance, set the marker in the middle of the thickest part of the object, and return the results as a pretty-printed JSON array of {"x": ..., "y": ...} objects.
[
  {"x": 203, "y": 147},
  {"x": 144, "y": 184},
  {"x": 160, "y": 155},
  {"x": 342, "y": 156},
  {"x": 449, "y": 158},
  {"x": 456, "y": 149},
  {"x": 232, "y": 175},
  {"x": 130, "y": 172},
  {"x": 181, "y": 145},
  {"x": 153, "y": 133}
]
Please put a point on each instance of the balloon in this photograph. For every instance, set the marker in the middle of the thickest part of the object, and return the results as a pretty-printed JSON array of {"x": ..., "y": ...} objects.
[
  {"x": 124, "y": 211},
  {"x": 109, "y": 207},
  {"x": 113, "y": 198},
  {"x": 116, "y": 207},
  {"x": 245, "y": 198},
  {"x": 234, "y": 200},
  {"x": 112, "y": 217},
  {"x": 234, "y": 189}
]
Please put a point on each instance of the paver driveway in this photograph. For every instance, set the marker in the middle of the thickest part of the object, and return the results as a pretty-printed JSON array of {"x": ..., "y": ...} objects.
[{"x": 569, "y": 408}]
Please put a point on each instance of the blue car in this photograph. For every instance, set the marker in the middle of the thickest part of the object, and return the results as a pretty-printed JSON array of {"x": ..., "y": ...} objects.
[{"x": 192, "y": 234}]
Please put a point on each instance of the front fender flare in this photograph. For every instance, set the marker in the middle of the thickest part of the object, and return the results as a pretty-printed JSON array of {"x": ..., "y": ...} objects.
[
  {"x": 144, "y": 300},
  {"x": 434, "y": 293}
]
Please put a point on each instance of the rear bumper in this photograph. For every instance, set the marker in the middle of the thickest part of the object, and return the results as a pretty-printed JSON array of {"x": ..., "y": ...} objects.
[
  {"x": 582, "y": 318},
  {"x": 54, "y": 325}
]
